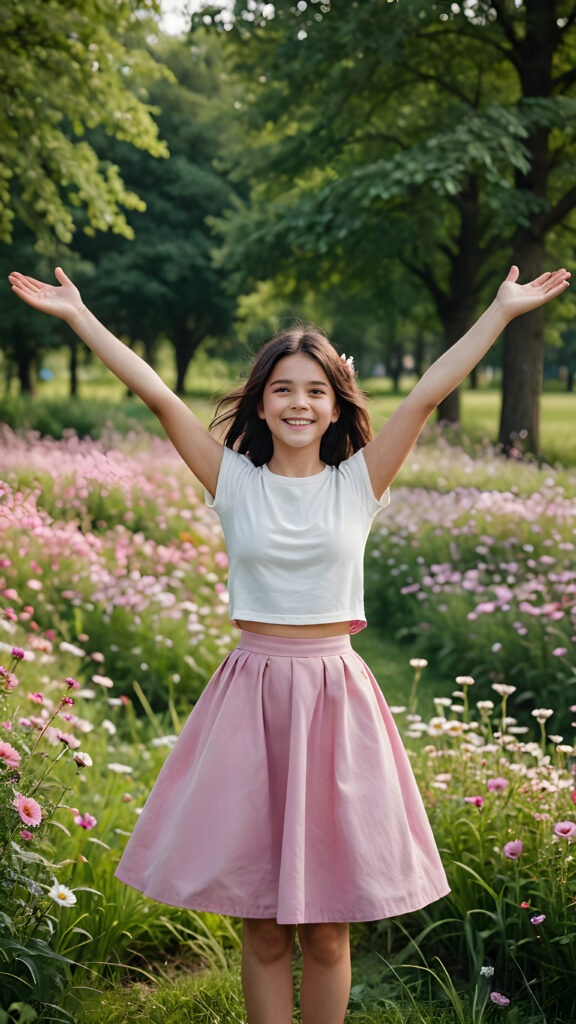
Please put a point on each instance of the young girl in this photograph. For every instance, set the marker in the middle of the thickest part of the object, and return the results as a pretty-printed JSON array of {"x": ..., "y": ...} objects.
[{"x": 288, "y": 799}]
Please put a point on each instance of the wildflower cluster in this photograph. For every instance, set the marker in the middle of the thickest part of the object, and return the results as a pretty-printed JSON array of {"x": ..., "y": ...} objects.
[{"x": 489, "y": 573}]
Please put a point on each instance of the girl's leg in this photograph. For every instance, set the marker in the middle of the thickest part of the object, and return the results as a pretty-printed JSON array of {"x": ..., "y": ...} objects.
[
  {"x": 267, "y": 970},
  {"x": 325, "y": 972}
]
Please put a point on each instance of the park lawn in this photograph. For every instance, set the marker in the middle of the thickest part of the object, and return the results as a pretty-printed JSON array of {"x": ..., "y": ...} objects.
[{"x": 208, "y": 379}]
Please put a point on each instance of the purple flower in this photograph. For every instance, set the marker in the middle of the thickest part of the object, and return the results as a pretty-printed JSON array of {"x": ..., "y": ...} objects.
[
  {"x": 499, "y": 999},
  {"x": 497, "y": 785},
  {"x": 513, "y": 849},
  {"x": 537, "y": 919},
  {"x": 565, "y": 829},
  {"x": 17, "y": 653},
  {"x": 476, "y": 800}
]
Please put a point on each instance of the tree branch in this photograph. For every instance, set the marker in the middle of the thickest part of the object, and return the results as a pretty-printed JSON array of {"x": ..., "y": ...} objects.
[
  {"x": 424, "y": 272},
  {"x": 448, "y": 86},
  {"x": 505, "y": 23},
  {"x": 565, "y": 80},
  {"x": 556, "y": 213}
]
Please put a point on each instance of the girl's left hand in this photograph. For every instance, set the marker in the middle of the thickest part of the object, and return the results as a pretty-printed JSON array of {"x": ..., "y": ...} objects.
[{"x": 521, "y": 298}]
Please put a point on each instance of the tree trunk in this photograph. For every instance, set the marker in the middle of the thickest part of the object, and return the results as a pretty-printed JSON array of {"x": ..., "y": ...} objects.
[
  {"x": 522, "y": 383},
  {"x": 186, "y": 340},
  {"x": 25, "y": 368},
  {"x": 524, "y": 337},
  {"x": 457, "y": 309},
  {"x": 73, "y": 367}
]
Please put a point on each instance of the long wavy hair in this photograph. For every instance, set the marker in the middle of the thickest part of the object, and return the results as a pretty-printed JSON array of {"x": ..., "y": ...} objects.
[{"x": 247, "y": 433}]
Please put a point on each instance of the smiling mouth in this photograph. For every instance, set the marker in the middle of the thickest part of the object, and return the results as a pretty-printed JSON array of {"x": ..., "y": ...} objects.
[{"x": 298, "y": 422}]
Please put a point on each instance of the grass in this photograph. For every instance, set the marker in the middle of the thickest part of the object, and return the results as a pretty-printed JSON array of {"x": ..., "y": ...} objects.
[
  {"x": 178, "y": 993},
  {"x": 208, "y": 379}
]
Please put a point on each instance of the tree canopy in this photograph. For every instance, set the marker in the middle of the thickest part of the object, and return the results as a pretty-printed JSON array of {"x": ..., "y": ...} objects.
[{"x": 64, "y": 69}]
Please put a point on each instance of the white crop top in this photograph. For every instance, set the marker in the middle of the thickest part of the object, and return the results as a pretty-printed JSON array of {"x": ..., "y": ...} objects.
[{"x": 296, "y": 544}]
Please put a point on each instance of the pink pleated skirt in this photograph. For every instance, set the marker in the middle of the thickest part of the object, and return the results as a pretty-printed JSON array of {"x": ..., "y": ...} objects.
[{"x": 288, "y": 795}]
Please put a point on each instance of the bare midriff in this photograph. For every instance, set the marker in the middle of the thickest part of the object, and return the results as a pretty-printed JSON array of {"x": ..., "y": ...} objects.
[{"x": 315, "y": 629}]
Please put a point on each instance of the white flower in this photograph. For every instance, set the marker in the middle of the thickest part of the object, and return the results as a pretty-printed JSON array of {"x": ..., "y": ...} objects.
[
  {"x": 444, "y": 702},
  {"x": 436, "y": 726},
  {"x": 62, "y": 894},
  {"x": 485, "y": 705},
  {"x": 541, "y": 714},
  {"x": 109, "y": 726},
  {"x": 72, "y": 649},
  {"x": 102, "y": 680},
  {"x": 465, "y": 680},
  {"x": 453, "y": 727},
  {"x": 397, "y": 709},
  {"x": 487, "y": 972},
  {"x": 120, "y": 769},
  {"x": 84, "y": 760},
  {"x": 503, "y": 689},
  {"x": 418, "y": 662}
]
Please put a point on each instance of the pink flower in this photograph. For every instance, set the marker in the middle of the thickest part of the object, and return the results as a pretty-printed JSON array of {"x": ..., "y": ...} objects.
[
  {"x": 476, "y": 800},
  {"x": 499, "y": 999},
  {"x": 7, "y": 726},
  {"x": 28, "y": 809},
  {"x": 36, "y": 697},
  {"x": 524, "y": 905},
  {"x": 25, "y": 834},
  {"x": 9, "y": 755},
  {"x": 71, "y": 741},
  {"x": 537, "y": 919},
  {"x": 18, "y": 653},
  {"x": 72, "y": 684},
  {"x": 559, "y": 652},
  {"x": 513, "y": 849},
  {"x": 66, "y": 700},
  {"x": 497, "y": 785},
  {"x": 85, "y": 820},
  {"x": 565, "y": 829}
]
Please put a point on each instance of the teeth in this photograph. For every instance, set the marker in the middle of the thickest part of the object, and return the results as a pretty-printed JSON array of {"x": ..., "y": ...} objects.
[{"x": 298, "y": 423}]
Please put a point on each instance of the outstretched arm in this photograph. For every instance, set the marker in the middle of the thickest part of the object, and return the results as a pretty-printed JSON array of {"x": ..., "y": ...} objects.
[
  {"x": 191, "y": 439},
  {"x": 388, "y": 450}
]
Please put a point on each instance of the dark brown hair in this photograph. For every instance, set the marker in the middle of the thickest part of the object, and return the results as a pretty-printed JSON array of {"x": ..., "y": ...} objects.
[{"x": 249, "y": 434}]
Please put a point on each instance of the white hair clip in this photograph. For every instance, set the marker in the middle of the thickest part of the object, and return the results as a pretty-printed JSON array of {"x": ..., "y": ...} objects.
[{"x": 349, "y": 363}]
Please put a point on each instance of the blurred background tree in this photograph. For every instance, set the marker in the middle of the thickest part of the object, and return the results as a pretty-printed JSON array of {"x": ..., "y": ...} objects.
[{"x": 374, "y": 167}]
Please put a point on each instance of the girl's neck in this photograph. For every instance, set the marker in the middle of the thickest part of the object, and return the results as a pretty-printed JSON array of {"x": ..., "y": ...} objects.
[{"x": 295, "y": 462}]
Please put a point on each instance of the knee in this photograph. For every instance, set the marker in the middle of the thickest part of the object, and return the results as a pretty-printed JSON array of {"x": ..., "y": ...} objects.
[
  {"x": 267, "y": 940},
  {"x": 326, "y": 944}
]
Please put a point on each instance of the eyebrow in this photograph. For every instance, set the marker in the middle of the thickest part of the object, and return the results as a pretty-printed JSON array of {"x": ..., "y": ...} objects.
[{"x": 281, "y": 380}]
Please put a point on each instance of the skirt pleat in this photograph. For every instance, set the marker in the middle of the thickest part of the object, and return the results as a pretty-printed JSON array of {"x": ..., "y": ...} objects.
[{"x": 288, "y": 795}]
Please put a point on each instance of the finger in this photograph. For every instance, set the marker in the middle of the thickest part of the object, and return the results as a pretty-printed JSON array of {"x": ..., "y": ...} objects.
[
  {"x": 61, "y": 276},
  {"x": 26, "y": 296},
  {"x": 556, "y": 278},
  {"x": 513, "y": 273},
  {"x": 24, "y": 280},
  {"x": 540, "y": 280}
]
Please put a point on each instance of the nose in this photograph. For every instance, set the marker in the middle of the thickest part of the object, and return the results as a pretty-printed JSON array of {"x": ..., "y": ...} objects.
[{"x": 299, "y": 400}]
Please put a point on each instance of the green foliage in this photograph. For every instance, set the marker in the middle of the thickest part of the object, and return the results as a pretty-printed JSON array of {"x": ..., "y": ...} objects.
[{"x": 65, "y": 69}]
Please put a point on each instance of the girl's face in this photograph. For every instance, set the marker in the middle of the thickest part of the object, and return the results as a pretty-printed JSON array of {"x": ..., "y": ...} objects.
[{"x": 298, "y": 401}]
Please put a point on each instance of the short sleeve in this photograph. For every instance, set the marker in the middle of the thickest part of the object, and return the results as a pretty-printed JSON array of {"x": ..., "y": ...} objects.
[
  {"x": 355, "y": 471},
  {"x": 235, "y": 470}
]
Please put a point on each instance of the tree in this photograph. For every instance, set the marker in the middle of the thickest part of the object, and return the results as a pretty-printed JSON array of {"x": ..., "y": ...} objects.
[
  {"x": 375, "y": 153},
  {"x": 164, "y": 280},
  {"x": 65, "y": 69},
  {"x": 438, "y": 122}
]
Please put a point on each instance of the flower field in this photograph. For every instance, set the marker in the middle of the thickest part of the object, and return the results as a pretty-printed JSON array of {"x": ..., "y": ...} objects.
[{"x": 114, "y": 615}]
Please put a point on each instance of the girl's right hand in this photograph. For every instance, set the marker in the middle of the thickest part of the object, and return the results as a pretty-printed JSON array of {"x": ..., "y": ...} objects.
[{"x": 63, "y": 300}]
